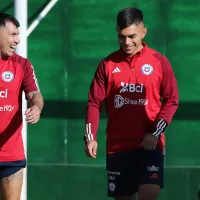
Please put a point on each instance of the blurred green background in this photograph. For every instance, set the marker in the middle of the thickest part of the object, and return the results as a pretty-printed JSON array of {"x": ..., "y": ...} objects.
[{"x": 65, "y": 50}]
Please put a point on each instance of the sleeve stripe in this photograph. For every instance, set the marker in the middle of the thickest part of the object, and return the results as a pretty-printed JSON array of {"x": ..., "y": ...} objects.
[
  {"x": 35, "y": 79},
  {"x": 160, "y": 128},
  {"x": 89, "y": 134}
]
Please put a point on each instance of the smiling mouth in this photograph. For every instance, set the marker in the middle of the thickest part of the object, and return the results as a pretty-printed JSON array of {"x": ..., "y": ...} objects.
[
  {"x": 128, "y": 48},
  {"x": 13, "y": 47}
]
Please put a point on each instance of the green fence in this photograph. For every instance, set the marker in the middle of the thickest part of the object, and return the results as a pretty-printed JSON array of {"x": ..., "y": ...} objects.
[{"x": 65, "y": 50}]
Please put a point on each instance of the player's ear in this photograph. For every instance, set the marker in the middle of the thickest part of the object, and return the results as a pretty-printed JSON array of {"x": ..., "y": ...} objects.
[
  {"x": 144, "y": 32},
  {"x": 117, "y": 28}
]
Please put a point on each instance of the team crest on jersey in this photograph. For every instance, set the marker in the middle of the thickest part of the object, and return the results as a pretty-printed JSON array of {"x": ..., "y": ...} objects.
[
  {"x": 7, "y": 76},
  {"x": 147, "y": 69},
  {"x": 112, "y": 187}
]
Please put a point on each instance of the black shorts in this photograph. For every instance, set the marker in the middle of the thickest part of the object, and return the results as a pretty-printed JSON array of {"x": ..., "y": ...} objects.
[
  {"x": 9, "y": 168},
  {"x": 127, "y": 170}
]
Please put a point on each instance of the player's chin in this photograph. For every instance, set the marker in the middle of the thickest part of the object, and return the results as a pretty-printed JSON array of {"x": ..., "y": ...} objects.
[
  {"x": 10, "y": 53},
  {"x": 129, "y": 52}
]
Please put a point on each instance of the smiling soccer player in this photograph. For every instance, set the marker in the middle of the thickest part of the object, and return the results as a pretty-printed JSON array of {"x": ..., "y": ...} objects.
[
  {"x": 132, "y": 81},
  {"x": 16, "y": 75}
]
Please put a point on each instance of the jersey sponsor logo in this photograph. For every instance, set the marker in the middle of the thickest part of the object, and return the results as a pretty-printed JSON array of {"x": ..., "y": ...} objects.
[
  {"x": 147, "y": 69},
  {"x": 4, "y": 94},
  {"x": 6, "y": 108},
  {"x": 131, "y": 88},
  {"x": 119, "y": 101},
  {"x": 7, "y": 76}
]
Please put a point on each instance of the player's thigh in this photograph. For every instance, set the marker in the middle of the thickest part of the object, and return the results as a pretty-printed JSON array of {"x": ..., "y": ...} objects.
[
  {"x": 11, "y": 185},
  {"x": 148, "y": 192},
  {"x": 121, "y": 174}
]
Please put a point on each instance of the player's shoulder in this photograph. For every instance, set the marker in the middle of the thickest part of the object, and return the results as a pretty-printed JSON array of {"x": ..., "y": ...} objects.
[
  {"x": 113, "y": 57},
  {"x": 20, "y": 60},
  {"x": 156, "y": 55},
  {"x": 107, "y": 60}
]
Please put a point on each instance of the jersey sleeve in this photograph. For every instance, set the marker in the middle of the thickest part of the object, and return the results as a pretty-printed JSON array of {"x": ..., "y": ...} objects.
[
  {"x": 169, "y": 94},
  {"x": 29, "y": 82},
  {"x": 96, "y": 96}
]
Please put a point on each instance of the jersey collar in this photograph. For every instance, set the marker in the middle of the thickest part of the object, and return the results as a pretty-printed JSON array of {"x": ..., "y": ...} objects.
[{"x": 129, "y": 58}]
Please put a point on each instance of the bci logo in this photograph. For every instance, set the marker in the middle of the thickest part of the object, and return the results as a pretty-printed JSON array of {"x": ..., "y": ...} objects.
[
  {"x": 131, "y": 88},
  {"x": 4, "y": 93}
]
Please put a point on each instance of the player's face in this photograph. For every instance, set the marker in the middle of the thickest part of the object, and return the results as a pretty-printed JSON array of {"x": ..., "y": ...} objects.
[
  {"x": 130, "y": 38},
  {"x": 9, "y": 39}
]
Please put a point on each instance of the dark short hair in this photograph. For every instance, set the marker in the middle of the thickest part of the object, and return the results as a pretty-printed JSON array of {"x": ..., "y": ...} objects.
[
  {"x": 129, "y": 16},
  {"x": 6, "y": 17}
]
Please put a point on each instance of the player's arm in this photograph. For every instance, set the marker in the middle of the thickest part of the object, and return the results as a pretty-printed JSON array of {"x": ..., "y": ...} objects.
[
  {"x": 36, "y": 103},
  {"x": 33, "y": 95},
  {"x": 35, "y": 99},
  {"x": 169, "y": 94},
  {"x": 96, "y": 97}
]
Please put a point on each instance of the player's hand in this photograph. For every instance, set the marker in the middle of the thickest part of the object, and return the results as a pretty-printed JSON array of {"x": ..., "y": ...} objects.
[
  {"x": 32, "y": 114},
  {"x": 149, "y": 142},
  {"x": 91, "y": 149}
]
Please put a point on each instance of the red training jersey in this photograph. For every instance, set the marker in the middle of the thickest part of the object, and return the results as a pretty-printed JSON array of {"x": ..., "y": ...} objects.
[
  {"x": 16, "y": 75},
  {"x": 140, "y": 96}
]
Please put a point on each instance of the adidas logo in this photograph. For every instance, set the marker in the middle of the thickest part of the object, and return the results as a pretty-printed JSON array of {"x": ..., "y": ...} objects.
[
  {"x": 154, "y": 176},
  {"x": 116, "y": 70}
]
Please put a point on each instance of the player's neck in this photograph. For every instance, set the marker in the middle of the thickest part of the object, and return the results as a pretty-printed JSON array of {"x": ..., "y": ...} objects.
[
  {"x": 3, "y": 56},
  {"x": 137, "y": 50}
]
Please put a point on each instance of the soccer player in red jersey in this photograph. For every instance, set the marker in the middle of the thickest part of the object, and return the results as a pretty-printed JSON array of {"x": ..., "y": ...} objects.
[
  {"x": 139, "y": 89},
  {"x": 16, "y": 75}
]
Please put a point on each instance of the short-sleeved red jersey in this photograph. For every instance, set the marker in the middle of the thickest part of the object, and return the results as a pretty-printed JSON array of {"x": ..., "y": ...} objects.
[
  {"x": 140, "y": 95},
  {"x": 16, "y": 75}
]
